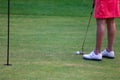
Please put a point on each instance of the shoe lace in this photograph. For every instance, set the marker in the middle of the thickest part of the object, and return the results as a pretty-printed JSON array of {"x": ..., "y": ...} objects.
[{"x": 92, "y": 54}]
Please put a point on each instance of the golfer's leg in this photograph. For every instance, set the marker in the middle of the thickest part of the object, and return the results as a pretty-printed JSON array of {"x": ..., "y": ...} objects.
[
  {"x": 111, "y": 28},
  {"x": 99, "y": 34}
]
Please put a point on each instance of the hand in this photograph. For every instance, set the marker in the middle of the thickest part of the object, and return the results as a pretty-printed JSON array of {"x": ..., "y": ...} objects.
[{"x": 93, "y": 4}]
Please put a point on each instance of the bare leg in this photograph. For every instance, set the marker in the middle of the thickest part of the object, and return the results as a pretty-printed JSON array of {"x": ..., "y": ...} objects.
[
  {"x": 111, "y": 28},
  {"x": 99, "y": 34}
]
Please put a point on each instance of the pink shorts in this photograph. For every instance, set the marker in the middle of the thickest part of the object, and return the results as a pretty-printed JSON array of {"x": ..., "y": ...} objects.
[{"x": 107, "y": 9}]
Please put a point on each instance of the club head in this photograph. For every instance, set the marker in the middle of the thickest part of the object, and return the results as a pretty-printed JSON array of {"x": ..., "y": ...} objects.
[{"x": 82, "y": 53}]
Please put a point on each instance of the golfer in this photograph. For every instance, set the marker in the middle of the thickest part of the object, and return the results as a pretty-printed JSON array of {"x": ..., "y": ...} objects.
[{"x": 105, "y": 12}]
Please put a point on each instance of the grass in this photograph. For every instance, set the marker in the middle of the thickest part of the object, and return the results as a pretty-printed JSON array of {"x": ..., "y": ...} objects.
[
  {"x": 42, "y": 47},
  {"x": 48, "y": 7}
]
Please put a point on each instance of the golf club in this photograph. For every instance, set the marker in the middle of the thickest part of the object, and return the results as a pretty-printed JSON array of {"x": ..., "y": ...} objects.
[{"x": 89, "y": 21}]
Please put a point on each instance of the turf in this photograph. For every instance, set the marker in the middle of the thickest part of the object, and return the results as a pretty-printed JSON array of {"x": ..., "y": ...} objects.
[
  {"x": 48, "y": 7},
  {"x": 42, "y": 47}
]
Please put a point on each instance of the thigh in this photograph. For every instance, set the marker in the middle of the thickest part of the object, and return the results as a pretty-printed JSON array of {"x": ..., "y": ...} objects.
[{"x": 100, "y": 22}]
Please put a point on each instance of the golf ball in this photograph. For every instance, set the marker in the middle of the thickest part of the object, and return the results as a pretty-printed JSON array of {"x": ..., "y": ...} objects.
[{"x": 78, "y": 52}]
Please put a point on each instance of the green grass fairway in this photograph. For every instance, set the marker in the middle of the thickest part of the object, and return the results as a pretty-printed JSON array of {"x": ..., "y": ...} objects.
[{"x": 42, "y": 47}]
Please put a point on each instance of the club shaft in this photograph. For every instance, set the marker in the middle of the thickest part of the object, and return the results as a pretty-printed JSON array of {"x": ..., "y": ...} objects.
[{"x": 87, "y": 30}]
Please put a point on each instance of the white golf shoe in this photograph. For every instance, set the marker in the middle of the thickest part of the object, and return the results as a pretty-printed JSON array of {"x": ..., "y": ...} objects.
[
  {"x": 107, "y": 54},
  {"x": 93, "y": 56}
]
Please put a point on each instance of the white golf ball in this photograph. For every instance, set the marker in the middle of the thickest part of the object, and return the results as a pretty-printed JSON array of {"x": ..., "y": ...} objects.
[{"x": 78, "y": 52}]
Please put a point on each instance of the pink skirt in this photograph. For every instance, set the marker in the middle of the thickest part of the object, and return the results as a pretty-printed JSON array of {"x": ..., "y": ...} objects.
[{"x": 107, "y": 9}]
